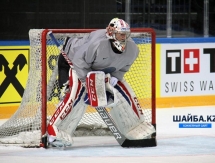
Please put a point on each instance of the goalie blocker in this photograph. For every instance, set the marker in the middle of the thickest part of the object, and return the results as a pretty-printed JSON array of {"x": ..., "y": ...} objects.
[{"x": 126, "y": 119}]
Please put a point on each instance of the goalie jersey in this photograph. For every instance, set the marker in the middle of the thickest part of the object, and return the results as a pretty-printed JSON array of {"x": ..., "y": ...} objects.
[{"x": 95, "y": 53}]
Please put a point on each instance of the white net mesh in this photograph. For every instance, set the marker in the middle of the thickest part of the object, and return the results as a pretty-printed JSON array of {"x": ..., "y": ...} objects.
[{"x": 24, "y": 127}]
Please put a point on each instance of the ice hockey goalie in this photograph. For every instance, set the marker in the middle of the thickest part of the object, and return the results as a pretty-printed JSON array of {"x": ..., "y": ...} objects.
[{"x": 106, "y": 55}]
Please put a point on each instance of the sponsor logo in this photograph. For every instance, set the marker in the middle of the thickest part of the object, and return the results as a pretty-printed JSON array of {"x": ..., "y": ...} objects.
[
  {"x": 188, "y": 60},
  {"x": 19, "y": 63},
  {"x": 189, "y": 70},
  {"x": 138, "y": 106},
  {"x": 13, "y": 74},
  {"x": 190, "y": 63},
  {"x": 66, "y": 107},
  {"x": 108, "y": 122},
  {"x": 92, "y": 90},
  {"x": 194, "y": 121}
]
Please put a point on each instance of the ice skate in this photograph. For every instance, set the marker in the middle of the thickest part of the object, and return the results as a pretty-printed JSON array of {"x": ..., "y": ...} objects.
[{"x": 60, "y": 143}]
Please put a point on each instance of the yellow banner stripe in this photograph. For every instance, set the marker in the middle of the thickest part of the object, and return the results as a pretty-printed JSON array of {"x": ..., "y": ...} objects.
[{"x": 165, "y": 102}]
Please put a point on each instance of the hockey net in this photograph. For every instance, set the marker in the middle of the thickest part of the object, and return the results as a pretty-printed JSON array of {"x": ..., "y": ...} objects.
[{"x": 27, "y": 127}]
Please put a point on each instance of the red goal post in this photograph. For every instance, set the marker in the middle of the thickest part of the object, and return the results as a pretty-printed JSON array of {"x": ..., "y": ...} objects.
[{"x": 42, "y": 91}]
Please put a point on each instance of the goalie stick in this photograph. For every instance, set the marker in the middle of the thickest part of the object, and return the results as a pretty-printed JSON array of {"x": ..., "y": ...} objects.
[
  {"x": 121, "y": 139},
  {"x": 60, "y": 48}
]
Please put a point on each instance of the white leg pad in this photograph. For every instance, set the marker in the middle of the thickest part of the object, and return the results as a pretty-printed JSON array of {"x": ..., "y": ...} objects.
[
  {"x": 128, "y": 121},
  {"x": 134, "y": 100},
  {"x": 69, "y": 124},
  {"x": 123, "y": 115},
  {"x": 69, "y": 112},
  {"x": 143, "y": 131}
]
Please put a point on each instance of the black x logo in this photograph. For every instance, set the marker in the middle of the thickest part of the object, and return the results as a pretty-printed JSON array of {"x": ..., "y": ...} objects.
[{"x": 11, "y": 73}]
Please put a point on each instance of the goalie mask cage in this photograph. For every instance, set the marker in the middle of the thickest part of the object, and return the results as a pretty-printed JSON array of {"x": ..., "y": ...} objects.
[{"x": 27, "y": 127}]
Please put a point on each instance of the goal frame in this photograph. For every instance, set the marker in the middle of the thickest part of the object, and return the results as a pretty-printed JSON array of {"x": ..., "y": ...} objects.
[{"x": 44, "y": 74}]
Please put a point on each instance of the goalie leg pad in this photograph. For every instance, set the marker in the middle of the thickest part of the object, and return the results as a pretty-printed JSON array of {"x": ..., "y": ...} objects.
[
  {"x": 71, "y": 121},
  {"x": 128, "y": 93},
  {"x": 126, "y": 116},
  {"x": 65, "y": 108},
  {"x": 143, "y": 131}
]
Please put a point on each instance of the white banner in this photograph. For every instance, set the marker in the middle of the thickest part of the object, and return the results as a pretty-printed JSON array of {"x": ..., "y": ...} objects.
[{"x": 187, "y": 69}]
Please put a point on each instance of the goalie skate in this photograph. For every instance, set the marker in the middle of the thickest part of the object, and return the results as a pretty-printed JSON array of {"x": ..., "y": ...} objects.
[{"x": 57, "y": 143}]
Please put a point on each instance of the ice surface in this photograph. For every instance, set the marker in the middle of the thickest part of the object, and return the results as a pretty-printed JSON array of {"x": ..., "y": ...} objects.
[
  {"x": 189, "y": 149},
  {"x": 174, "y": 146}
]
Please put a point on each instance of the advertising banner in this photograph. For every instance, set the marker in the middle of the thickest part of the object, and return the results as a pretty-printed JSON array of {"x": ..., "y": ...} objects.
[{"x": 187, "y": 69}]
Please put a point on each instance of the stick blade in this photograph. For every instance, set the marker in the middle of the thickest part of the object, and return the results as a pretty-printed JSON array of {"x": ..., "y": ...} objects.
[{"x": 152, "y": 142}]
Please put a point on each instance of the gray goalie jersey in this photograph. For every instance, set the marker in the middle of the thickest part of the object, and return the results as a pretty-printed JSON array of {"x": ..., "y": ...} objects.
[{"x": 94, "y": 53}]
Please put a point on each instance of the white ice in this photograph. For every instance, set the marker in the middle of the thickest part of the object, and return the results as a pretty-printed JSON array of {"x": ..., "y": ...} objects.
[{"x": 173, "y": 146}]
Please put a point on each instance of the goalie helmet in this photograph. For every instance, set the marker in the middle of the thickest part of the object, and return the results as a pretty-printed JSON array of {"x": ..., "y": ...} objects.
[{"x": 118, "y": 26}]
